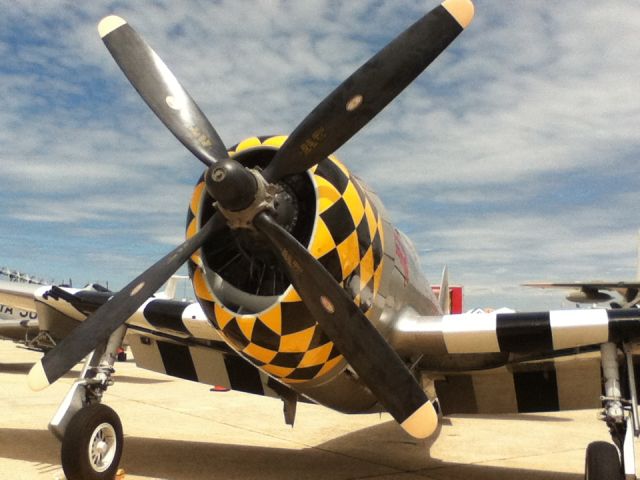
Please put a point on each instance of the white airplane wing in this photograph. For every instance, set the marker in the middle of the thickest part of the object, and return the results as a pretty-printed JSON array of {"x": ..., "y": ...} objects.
[{"x": 19, "y": 295}]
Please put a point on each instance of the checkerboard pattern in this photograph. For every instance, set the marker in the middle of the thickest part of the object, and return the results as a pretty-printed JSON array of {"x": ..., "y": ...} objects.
[
  {"x": 284, "y": 340},
  {"x": 348, "y": 239}
]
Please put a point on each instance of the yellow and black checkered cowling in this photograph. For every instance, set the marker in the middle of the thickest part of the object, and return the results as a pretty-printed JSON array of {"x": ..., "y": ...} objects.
[{"x": 284, "y": 340}]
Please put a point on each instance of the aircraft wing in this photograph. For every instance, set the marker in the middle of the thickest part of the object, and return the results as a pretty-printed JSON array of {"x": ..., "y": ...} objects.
[
  {"x": 591, "y": 284},
  {"x": 540, "y": 333},
  {"x": 19, "y": 295},
  {"x": 165, "y": 335},
  {"x": 501, "y": 363},
  {"x": 593, "y": 291}
]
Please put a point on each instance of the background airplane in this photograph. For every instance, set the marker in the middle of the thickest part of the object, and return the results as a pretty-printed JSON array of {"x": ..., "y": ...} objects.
[
  {"x": 19, "y": 314},
  {"x": 594, "y": 291},
  {"x": 19, "y": 320},
  {"x": 18, "y": 324},
  {"x": 316, "y": 340}
]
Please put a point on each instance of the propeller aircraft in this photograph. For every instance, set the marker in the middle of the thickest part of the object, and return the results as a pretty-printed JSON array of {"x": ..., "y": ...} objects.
[
  {"x": 595, "y": 291},
  {"x": 17, "y": 323},
  {"x": 306, "y": 291}
]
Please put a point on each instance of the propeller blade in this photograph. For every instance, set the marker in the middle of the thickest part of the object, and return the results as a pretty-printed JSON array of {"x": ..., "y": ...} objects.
[
  {"x": 375, "y": 362},
  {"x": 161, "y": 90},
  {"x": 97, "y": 328},
  {"x": 367, "y": 91}
]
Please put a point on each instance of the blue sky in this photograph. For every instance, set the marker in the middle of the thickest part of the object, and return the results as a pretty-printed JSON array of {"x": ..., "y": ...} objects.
[{"x": 514, "y": 157}]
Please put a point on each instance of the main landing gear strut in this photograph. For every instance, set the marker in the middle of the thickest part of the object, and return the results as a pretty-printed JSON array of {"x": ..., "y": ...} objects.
[
  {"x": 90, "y": 432},
  {"x": 606, "y": 461}
]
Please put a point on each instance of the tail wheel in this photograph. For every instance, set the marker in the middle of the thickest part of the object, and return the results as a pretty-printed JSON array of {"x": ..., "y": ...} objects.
[
  {"x": 602, "y": 462},
  {"x": 92, "y": 444}
]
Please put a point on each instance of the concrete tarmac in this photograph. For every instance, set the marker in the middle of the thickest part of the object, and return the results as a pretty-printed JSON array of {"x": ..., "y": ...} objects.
[{"x": 176, "y": 429}]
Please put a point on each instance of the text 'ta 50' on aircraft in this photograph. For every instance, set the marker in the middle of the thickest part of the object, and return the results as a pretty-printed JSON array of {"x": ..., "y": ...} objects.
[{"x": 307, "y": 292}]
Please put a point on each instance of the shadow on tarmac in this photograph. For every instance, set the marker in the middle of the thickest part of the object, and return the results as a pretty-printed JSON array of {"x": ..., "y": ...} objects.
[
  {"x": 23, "y": 369},
  {"x": 509, "y": 416},
  {"x": 172, "y": 459}
]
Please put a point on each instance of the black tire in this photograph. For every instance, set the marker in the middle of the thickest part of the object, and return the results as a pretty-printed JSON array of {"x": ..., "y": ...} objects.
[
  {"x": 602, "y": 462},
  {"x": 90, "y": 431}
]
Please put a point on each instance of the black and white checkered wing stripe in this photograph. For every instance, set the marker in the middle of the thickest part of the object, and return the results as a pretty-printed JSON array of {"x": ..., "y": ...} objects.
[
  {"x": 177, "y": 318},
  {"x": 515, "y": 332}
]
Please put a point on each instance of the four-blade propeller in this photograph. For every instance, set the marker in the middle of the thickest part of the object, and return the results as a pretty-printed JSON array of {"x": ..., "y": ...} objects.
[{"x": 239, "y": 191}]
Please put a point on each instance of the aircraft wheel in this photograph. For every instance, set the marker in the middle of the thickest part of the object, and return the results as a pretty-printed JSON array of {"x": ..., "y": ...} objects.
[
  {"x": 602, "y": 462},
  {"x": 92, "y": 444}
]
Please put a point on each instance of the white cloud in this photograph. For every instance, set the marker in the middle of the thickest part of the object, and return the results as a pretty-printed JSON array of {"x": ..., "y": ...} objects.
[{"x": 514, "y": 157}]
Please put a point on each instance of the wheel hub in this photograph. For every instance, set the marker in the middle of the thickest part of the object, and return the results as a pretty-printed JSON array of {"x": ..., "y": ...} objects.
[{"x": 102, "y": 447}]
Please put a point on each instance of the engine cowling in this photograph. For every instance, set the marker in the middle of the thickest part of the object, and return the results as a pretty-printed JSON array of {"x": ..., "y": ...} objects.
[{"x": 245, "y": 292}]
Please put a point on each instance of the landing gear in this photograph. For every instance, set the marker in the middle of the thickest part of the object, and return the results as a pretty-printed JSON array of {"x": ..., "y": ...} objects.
[
  {"x": 91, "y": 433},
  {"x": 42, "y": 341},
  {"x": 92, "y": 444},
  {"x": 602, "y": 462},
  {"x": 606, "y": 461}
]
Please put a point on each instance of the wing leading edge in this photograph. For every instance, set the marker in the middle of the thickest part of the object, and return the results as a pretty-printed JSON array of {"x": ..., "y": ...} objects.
[{"x": 531, "y": 333}]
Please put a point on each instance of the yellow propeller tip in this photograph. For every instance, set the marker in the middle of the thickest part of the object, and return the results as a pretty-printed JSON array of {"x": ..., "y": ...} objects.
[
  {"x": 461, "y": 10},
  {"x": 109, "y": 24},
  {"x": 37, "y": 378},
  {"x": 421, "y": 423}
]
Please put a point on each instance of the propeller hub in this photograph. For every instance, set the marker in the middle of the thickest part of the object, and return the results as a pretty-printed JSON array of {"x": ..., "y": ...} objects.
[
  {"x": 240, "y": 193},
  {"x": 232, "y": 185},
  {"x": 218, "y": 174}
]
